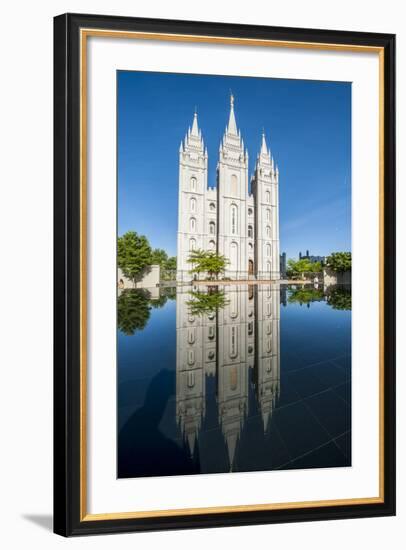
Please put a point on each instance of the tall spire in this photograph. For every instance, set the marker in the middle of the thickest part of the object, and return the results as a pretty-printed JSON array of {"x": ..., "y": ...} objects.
[
  {"x": 195, "y": 127},
  {"x": 264, "y": 149},
  {"x": 232, "y": 125}
]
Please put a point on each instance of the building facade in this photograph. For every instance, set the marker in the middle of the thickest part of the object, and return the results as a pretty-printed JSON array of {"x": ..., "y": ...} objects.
[{"x": 239, "y": 218}]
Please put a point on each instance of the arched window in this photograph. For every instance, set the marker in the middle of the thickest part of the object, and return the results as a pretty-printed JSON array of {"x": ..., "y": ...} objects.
[
  {"x": 193, "y": 183},
  {"x": 233, "y": 342},
  {"x": 212, "y": 206},
  {"x": 268, "y": 215},
  {"x": 268, "y": 250},
  {"x": 212, "y": 245},
  {"x": 191, "y": 357},
  {"x": 192, "y": 244},
  {"x": 250, "y": 328},
  {"x": 234, "y": 305},
  {"x": 249, "y": 211},
  {"x": 191, "y": 379},
  {"x": 250, "y": 231},
  {"x": 268, "y": 231},
  {"x": 250, "y": 247},
  {"x": 268, "y": 345},
  {"x": 234, "y": 184},
  {"x": 193, "y": 204},
  {"x": 234, "y": 222},
  {"x": 268, "y": 197},
  {"x": 212, "y": 228},
  {"x": 212, "y": 332},
  {"x": 191, "y": 336},
  {"x": 268, "y": 266},
  {"x": 192, "y": 225}
]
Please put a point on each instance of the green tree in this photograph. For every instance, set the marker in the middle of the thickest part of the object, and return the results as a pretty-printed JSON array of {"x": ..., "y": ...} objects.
[
  {"x": 160, "y": 257},
  {"x": 339, "y": 261},
  {"x": 296, "y": 268},
  {"x": 171, "y": 263},
  {"x": 133, "y": 311},
  {"x": 133, "y": 254},
  {"x": 207, "y": 262}
]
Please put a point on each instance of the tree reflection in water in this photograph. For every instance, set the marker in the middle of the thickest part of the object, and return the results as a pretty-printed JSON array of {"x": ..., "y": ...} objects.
[{"x": 203, "y": 303}]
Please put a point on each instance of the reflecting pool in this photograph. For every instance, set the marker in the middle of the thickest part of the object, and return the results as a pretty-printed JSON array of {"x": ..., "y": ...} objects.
[{"x": 235, "y": 378}]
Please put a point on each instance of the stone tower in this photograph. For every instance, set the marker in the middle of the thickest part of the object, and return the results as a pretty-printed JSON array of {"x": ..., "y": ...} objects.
[
  {"x": 192, "y": 197},
  {"x": 232, "y": 192},
  {"x": 265, "y": 184}
]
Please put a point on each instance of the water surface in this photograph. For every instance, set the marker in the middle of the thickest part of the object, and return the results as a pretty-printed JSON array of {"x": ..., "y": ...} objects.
[{"x": 236, "y": 378}]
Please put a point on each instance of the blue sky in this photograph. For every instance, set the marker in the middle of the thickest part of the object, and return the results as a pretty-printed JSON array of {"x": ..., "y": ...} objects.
[{"x": 307, "y": 125}]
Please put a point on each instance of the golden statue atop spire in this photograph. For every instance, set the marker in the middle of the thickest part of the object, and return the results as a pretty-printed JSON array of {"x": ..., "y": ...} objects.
[{"x": 231, "y": 99}]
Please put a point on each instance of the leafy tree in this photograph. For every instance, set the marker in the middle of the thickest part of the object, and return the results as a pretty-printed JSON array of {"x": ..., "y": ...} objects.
[
  {"x": 159, "y": 257},
  {"x": 133, "y": 254},
  {"x": 339, "y": 261},
  {"x": 207, "y": 262},
  {"x": 203, "y": 303},
  {"x": 133, "y": 311},
  {"x": 340, "y": 298},
  {"x": 297, "y": 268},
  {"x": 171, "y": 263}
]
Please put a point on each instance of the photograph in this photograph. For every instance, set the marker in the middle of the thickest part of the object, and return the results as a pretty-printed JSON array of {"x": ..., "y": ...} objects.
[{"x": 234, "y": 251}]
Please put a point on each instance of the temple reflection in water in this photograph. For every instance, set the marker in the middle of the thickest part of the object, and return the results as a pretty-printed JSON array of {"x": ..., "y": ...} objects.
[{"x": 235, "y": 340}]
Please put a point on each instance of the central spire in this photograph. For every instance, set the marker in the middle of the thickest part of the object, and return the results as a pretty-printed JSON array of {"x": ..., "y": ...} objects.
[
  {"x": 195, "y": 127},
  {"x": 264, "y": 148},
  {"x": 232, "y": 125}
]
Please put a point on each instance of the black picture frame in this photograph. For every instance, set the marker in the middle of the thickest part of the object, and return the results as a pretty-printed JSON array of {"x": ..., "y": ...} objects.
[{"x": 67, "y": 349}]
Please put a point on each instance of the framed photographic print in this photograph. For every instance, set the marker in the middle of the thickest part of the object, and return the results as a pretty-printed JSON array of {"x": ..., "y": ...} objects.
[{"x": 224, "y": 274}]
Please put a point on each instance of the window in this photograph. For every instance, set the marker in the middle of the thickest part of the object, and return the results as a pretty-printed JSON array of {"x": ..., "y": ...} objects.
[
  {"x": 211, "y": 355},
  {"x": 193, "y": 183},
  {"x": 190, "y": 379},
  {"x": 212, "y": 228},
  {"x": 233, "y": 256},
  {"x": 250, "y": 328},
  {"x": 268, "y": 231},
  {"x": 212, "y": 245},
  {"x": 192, "y": 225},
  {"x": 268, "y": 215},
  {"x": 234, "y": 305},
  {"x": 233, "y": 343},
  {"x": 191, "y": 336},
  {"x": 249, "y": 211},
  {"x": 212, "y": 332},
  {"x": 233, "y": 219},
  {"x": 268, "y": 197},
  {"x": 268, "y": 252},
  {"x": 212, "y": 206},
  {"x": 250, "y": 231},
  {"x": 192, "y": 244},
  {"x": 191, "y": 357},
  {"x": 250, "y": 247},
  {"x": 193, "y": 204}
]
